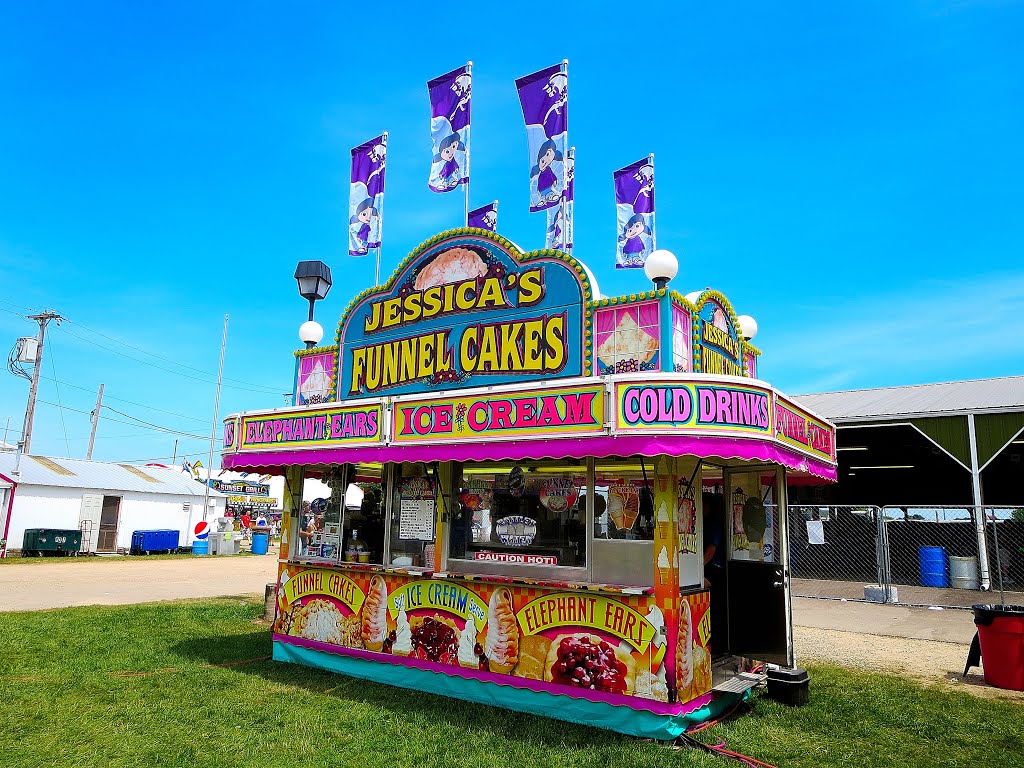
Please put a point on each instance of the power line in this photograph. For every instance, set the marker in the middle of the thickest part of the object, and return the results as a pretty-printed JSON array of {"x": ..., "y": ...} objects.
[
  {"x": 130, "y": 402},
  {"x": 140, "y": 421},
  {"x": 158, "y": 458},
  {"x": 115, "y": 437},
  {"x": 135, "y": 423},
  {"x": 168, "y": 370},
  {"x": 246, "y": 386},
  {"x": 56, "y": 386},
  {"x": 11, "y": 303},
  {"x": 165, "y": 359}
]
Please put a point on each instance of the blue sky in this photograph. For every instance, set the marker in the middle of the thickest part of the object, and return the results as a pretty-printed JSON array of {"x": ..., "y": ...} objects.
[{"x": 851, "y": 174}]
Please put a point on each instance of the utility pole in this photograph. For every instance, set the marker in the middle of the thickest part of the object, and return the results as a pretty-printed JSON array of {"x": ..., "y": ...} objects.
[
  {"x": 95, "y": 419},
  {"x": 30, "y": 410}
]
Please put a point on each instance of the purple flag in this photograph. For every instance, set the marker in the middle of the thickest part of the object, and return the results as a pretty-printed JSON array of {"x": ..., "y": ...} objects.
[
  {"x": 544, "y": 97},
  {"x": 485, "y": 217},
  {"x": 449, "y": 129},
  {"x": 634, "y": 205},
  {"x": 366, "y": 197}
]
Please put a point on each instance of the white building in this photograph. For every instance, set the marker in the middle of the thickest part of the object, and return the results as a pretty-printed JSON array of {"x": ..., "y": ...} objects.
[{"x": 109, "y": 501}]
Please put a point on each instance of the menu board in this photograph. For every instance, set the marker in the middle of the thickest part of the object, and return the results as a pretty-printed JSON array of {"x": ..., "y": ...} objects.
[{"x": 417, "y": 509}]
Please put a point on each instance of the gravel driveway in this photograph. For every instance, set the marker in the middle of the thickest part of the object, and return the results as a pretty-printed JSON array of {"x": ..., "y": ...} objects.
[{"x": 88, "y": 581}]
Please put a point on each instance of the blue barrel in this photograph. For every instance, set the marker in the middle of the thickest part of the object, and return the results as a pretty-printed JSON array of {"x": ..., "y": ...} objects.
[
  {"x": 934, "y": 566},
  {"x": 260, "y": 543},
  {"x": 200, "y": 547}
]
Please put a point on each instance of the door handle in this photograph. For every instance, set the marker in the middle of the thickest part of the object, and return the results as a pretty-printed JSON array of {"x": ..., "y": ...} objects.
[{"x": 776, "y": 584}]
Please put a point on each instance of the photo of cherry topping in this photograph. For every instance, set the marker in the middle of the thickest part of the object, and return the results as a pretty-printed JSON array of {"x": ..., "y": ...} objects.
[
  {"x": 435, "y": 641},
  {"x": 584, "y": 664}
]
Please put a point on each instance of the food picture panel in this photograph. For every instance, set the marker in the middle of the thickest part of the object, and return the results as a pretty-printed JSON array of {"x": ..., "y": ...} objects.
[
  {"x": 693, "y": 647},
  {"x": 680, "y": 339},
  {"x": 627, "y": 338},
  {"x": 601, "y": 645},
  {"x": 315, "y": 378}
]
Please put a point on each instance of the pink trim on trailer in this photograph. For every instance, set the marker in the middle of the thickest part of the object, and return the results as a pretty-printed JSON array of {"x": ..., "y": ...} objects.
[{"x": 565, "y": 448}]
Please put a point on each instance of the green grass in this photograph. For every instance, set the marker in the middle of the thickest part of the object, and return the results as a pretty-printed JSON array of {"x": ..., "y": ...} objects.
[{"x": 71, "y": 693}]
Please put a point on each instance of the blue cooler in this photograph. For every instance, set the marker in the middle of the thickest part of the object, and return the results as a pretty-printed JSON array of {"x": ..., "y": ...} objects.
[{"x": 162, "y": 540}]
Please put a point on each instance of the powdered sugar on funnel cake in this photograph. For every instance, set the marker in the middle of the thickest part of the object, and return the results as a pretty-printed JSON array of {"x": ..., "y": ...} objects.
[{"x": 451, "y": 266}]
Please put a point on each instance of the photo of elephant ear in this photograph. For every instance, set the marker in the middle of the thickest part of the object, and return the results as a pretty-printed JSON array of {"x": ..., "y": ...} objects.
[{"x": 754, "y": 522}]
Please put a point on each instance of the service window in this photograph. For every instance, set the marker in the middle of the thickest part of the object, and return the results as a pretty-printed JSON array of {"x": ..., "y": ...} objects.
[
  {"x": 623, "y": 522},
  {"x": 514, "y": 516},
  {"x": 319, "y": 520},
  {"x": 415, "y": 491}
]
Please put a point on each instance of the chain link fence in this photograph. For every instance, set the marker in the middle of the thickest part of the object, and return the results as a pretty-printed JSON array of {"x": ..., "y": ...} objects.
[{"x": 937, "y": 555}]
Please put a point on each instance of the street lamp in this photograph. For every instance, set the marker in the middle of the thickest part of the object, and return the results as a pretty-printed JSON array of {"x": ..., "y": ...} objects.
[
  {"x": 661, "y": 266},
  {"x": 748, "y": 326},
  {"x": 314, "y": 279}
]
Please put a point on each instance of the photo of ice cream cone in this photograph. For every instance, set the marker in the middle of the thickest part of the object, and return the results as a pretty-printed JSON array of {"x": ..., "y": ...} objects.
[
  {"x": 663, "y": 526},
  {"x": 664, "y": 567}
]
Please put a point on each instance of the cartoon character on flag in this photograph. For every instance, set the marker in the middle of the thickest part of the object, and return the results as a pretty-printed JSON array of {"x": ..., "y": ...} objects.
[
  {"x": 634, "y": 204},
  {"x": 450, "y": 97},
  {"x": 485, "y": 217},
  {"x": 366, "y": 196},
  {"x": 544, "y": 97}
]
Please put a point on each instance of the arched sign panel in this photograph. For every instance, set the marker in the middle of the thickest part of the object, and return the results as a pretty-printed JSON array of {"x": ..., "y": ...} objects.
[
  {"x": 467, "y": 310},
  {"x": 717, "y": 345}
]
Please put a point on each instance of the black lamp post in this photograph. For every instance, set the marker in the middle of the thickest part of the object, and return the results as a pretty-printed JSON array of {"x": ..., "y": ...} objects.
[{"x": 314, "y": 279}]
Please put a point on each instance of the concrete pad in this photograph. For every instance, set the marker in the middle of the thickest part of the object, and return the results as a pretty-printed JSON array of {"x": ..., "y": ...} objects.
[{"x": 948, "y": 625}]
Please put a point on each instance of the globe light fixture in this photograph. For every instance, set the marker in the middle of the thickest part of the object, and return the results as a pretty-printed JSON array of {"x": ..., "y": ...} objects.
[
  {"x": 314, "y": 279},
  {"x": 692, "y": 296},
  {"x": 310, "y": 333},
  {"x": 748, "y": 326},
  {"x": 661, "y": 266}
]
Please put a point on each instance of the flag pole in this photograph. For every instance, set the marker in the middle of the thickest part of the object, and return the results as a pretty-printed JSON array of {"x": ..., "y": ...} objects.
[
  {"x": 570, "y": 226},
  {"x": 380, "y": 231},
  {"x": 469, "y": 71},
  {"x": 216, "y": 408}
]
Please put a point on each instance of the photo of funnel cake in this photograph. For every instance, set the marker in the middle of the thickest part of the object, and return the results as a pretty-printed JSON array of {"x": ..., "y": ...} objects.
[{"x": 452, "y": 266}]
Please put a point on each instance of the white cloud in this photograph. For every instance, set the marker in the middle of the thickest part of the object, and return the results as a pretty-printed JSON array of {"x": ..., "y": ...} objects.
[{"x": 935, "y": 330}]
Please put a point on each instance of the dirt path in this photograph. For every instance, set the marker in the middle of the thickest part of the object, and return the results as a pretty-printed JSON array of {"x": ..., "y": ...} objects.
[
  {"x": 35, "y": 586},
  {"x": 925, "y": 660}
]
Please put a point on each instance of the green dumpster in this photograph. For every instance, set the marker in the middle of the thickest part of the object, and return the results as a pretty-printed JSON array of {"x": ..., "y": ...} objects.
[{"x": 51, "y": 542}]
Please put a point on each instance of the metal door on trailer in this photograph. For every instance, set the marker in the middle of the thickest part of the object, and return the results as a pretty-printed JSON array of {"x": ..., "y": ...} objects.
[{"x": 758, "y": 593}]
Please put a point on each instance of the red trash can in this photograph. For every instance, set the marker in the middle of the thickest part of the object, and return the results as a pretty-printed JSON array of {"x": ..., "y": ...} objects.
[{"x": 1001, "y": 632}]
